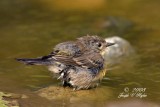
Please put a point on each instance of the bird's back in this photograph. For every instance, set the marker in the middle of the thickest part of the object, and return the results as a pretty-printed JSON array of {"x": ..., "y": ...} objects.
[{"x": 70, "y": 48}]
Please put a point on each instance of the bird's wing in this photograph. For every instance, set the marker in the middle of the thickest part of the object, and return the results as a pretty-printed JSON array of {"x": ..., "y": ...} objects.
[
  {"x": 88, "y": 59},
  {"x": 66, "y": 50},
  {"x": 67, "y": 60}
]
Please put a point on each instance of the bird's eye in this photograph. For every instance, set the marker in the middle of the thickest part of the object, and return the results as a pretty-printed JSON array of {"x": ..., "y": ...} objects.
[{"x": 99, "y": 44}]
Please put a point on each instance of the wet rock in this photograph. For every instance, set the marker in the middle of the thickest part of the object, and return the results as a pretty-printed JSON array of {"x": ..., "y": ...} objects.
[
  {"x": 59, "y": 93},
  {"x": 120, "y": 50},
  {"x": 10, "y": 99}
]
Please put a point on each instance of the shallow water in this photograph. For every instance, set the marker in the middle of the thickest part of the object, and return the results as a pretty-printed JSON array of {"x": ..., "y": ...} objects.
[{"x": 31, "y": 29}]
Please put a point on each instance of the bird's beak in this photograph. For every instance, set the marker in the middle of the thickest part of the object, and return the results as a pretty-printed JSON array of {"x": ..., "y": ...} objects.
[{"x": 109, "y": 44}]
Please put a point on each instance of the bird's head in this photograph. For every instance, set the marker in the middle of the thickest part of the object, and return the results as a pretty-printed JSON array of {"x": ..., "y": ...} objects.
[{"x": 95, "y": 43}]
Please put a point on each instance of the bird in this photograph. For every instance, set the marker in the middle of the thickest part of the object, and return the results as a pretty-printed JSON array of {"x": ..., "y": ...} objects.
[{"x": 78, "y": 64}]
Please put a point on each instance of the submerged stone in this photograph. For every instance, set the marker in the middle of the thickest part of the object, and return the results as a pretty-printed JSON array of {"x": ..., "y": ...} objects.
[{"x": 59, "y": 93}]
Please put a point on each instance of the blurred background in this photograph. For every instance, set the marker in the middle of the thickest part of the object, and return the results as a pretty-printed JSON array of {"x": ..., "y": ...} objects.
[{"x": 31, "y": 28}]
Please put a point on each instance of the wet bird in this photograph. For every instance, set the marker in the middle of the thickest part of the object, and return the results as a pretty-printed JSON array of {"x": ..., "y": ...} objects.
[{"x": 79, "y": 63}]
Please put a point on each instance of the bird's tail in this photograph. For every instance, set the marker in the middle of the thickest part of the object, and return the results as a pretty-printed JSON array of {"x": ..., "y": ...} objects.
[{"x": 36, "y": 61}]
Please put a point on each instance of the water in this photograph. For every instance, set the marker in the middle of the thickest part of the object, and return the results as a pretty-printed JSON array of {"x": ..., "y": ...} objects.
[{"x": 31, "y": 29}]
